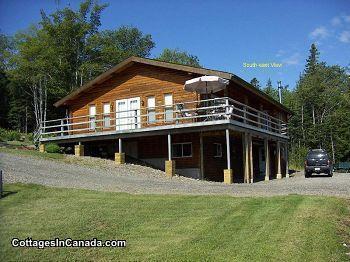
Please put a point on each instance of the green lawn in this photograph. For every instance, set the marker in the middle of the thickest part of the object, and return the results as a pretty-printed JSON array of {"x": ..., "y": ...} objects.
[
  {"x": 32, "y": 153},
  {"x": 158, "y": 227}
]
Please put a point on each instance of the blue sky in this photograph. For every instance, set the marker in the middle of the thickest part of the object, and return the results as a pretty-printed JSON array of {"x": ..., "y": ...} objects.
[{"x": 223, "y": 34}]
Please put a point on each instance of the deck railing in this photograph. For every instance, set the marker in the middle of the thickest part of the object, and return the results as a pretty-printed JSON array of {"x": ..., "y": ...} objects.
[{"x": 179, "y": 113}]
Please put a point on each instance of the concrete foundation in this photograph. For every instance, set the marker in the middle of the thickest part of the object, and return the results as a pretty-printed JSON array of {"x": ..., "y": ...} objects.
[
  {"x": 170, "y": 168},
  {"x": 79, "y": 150},
  {"x": 42, "y": 148},
  {"x": 228, "y": 176},
  {"x": 119, "y": 158}
]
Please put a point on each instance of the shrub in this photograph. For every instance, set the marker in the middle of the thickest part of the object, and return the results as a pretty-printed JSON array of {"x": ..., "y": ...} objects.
[
  {"x": 297, "y": 156},
  {"x": 52, "y": 148},
  {"x": 9, "y": 135}
]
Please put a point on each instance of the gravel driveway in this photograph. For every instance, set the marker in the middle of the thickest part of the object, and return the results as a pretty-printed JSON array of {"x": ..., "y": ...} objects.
[{"x": 98, "y": 174}]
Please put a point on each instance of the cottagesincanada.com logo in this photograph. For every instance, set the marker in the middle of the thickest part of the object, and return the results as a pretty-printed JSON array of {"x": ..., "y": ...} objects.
[{"x": 67, "y": 242}]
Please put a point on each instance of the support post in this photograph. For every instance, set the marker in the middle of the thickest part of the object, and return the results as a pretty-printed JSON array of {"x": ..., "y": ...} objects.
[
  {"x": 278, "y": 155},
  {"x": 62, "y": 127},
  {"x": 169, "y": 164},
  {"x": 201, "y": 156},
  {"x": 79, "y": 149},
  {"x": 120, "y": 149},
  {"x": 120, "y": 156},
  {"x": 246, "y": 157},
  {"x": 267, "y": 159},
  {"x": 286, "y": 157},
  {"x": 228, "y": 173},
  {"x": 251, "y": 163}
]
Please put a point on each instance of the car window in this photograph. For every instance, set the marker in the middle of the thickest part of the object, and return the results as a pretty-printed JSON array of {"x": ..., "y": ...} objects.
[{"x": 317, "y": 155}]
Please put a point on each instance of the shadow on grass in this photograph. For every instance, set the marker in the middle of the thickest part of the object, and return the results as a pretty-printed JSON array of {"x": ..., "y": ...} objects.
[{"x": 7, "y": 193}]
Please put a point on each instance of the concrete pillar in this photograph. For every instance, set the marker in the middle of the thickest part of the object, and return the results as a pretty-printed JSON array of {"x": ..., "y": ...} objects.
[
  {"x": 286, "y": 157},
  {"x": 119, "y": 158},
  {"x": 42, "y": 148},
  {"x": 267, "y": 159},
  {"x": 228, "y": 176},
  {"x": 278, "y": 155},
  {"x": 170, "y": 168},
  {"x": 79, "y": 150},
  {"x": 251, "y": 163}
]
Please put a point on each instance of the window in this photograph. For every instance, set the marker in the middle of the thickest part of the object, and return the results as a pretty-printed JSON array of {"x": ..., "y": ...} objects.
[
  {"x": 106, "y": 115},
  {"x": 92, "y": 117},
  {"x": 217, "y": 150},
  {"x": 151, "y": 111},
  {"x": 168, "y": 102},
  {"x": 182, "y": 150}
]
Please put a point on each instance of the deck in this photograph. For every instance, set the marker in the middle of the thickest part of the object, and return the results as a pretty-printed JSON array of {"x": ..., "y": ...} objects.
[{"x": 203, "y": 115}]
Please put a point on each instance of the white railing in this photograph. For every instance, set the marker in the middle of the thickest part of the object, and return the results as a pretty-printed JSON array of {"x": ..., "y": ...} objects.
[{"x": 182, "y": 113}]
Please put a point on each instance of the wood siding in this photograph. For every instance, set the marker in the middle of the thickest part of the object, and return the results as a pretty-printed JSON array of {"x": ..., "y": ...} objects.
[{"x": 136, "y": 81}]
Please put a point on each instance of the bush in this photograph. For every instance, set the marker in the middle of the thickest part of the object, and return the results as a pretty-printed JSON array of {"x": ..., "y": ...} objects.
[
  {"x": 297, "y": 156},
  {"x": 9, "y": 135},
  {"x": 52, "y": 148}
]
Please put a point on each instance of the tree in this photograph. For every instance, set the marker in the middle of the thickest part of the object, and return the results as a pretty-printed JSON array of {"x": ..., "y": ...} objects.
[
  {"x": 255, "y": 82},
  {"x": 312, "y": 60},
  {"x": 178, "y": 57},
  {"x": 110, "y": 47},
  {"x": 270, "y": 90},
  {"x": 64, "y": 51}
]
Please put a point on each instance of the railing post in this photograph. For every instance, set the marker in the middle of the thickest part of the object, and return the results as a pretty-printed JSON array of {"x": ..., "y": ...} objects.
[
  {"x": 226, "y": 107},
  {"x": 244, "y": 114},
  {"x": 62, "y": 127}
]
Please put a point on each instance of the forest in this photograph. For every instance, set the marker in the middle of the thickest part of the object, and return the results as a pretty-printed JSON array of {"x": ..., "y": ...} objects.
[{"x": 67, "y": 48}]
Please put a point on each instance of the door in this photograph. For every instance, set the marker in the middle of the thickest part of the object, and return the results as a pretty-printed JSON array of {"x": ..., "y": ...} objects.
[
  {"x": 134, "y": 113},
  {"x": 121, "y": 114},
  {"x": 128, "y": 113}
]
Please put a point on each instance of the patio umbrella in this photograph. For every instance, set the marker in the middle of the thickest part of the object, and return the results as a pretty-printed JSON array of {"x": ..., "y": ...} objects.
[{"x": 206, "y": 84}]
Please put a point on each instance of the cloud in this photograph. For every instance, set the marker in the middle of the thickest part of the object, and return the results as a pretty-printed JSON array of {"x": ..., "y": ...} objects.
[
  {"x": 346, "y": 18},
  {"x": 294, "y": 59},
  {"x": 280, "y": 53},
  {"x": 336, "y": 21},
  {"x": 344, "y": 37},
  {"x": 319, "y": 32}
]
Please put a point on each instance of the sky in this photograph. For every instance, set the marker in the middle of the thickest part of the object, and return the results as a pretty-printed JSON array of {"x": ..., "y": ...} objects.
[{"x": 262, "y": 39}]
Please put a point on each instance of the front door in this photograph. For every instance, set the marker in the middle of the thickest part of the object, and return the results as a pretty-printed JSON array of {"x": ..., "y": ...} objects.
[{"x": 128, "y": 113}]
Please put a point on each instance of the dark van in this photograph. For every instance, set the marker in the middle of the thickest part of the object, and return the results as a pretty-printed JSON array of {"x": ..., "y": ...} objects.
[{"x": 317, "y": 161}]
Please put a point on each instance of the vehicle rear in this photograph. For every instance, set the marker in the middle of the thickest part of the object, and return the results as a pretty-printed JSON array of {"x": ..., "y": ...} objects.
[{"x": 317, "y": 161}]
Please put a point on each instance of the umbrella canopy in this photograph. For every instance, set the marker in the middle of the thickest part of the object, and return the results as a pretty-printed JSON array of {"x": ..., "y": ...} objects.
[{"x": 206, "y": 84}]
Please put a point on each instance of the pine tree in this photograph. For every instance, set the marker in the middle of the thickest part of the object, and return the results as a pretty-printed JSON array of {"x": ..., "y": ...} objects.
[
  {"x": 255, "y": 82},
  {"x": 269, "y": 90},
  {"x": 312, "y": 61}
]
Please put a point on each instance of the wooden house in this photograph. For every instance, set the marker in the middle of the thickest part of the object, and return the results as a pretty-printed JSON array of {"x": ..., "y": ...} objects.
[{"x": 139, "y": 111}]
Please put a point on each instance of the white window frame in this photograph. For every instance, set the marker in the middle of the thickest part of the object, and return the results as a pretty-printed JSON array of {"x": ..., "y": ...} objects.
[
  {"x": 106, "y": 115},
  {"x": 168, "y": 107},
  {"x": 151, "y": 109},
  {"x": 92, "y": 118},
  {"x": 218, "y": 153},
  {"x": 182, "y": 150}
]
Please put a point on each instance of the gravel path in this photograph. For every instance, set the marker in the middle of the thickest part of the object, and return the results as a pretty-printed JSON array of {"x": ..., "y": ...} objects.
[{"x": 98, "y": 174}]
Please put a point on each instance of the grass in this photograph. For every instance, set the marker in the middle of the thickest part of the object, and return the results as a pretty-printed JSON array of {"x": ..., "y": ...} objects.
[
  {"x": 173, "y": 227},
  {"x": 31, "y": 153}
]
